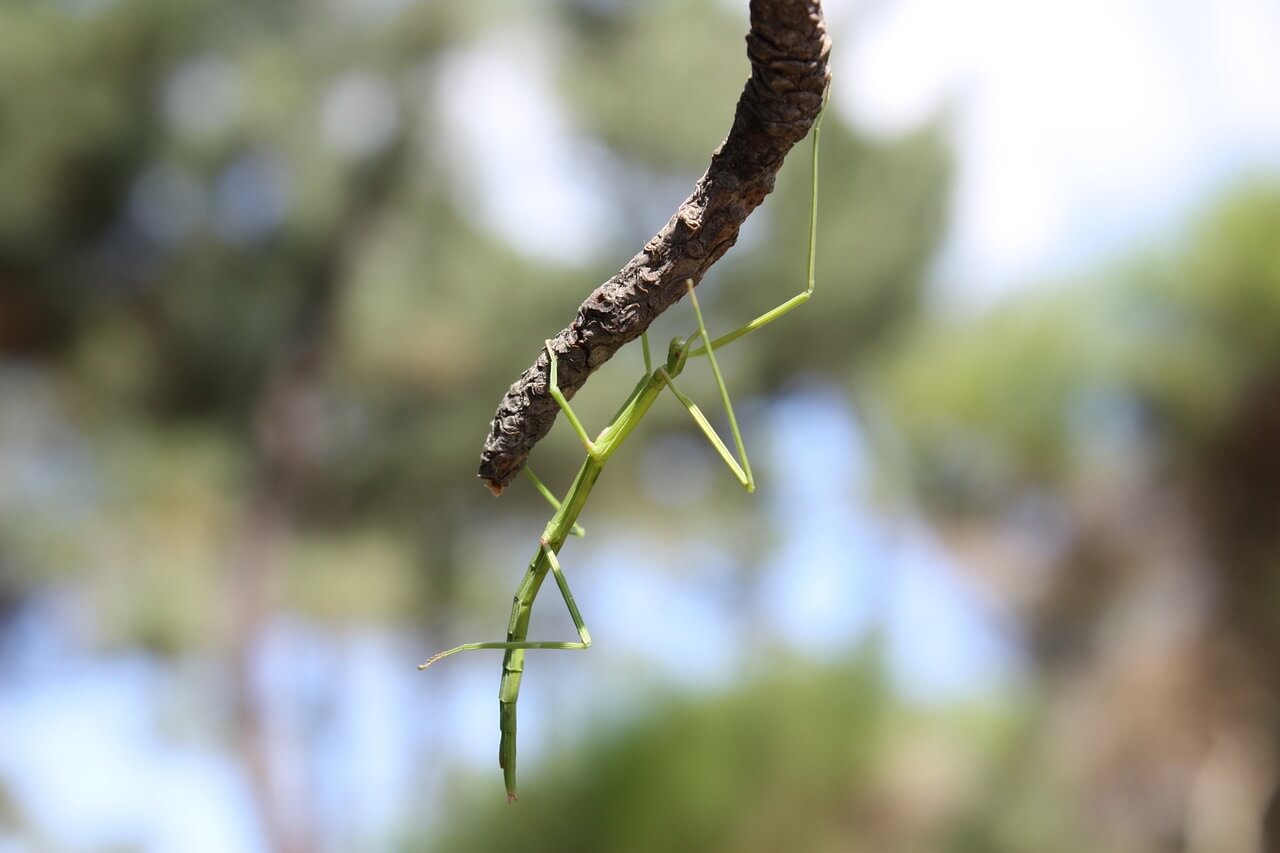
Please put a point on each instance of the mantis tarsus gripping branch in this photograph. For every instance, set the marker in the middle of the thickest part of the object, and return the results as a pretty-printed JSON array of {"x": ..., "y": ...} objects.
[{"x": 772, "y": 88}]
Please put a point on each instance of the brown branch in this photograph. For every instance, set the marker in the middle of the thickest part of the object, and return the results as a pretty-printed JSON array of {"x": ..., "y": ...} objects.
[{"x": 788, "y": 48}]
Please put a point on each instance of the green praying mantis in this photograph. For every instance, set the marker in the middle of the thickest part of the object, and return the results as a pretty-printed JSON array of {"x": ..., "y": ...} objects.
[{"x": 564, "y": 522}]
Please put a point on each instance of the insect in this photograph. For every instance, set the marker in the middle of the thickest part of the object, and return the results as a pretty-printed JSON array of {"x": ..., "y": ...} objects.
[{"x": 599, "y": 450}]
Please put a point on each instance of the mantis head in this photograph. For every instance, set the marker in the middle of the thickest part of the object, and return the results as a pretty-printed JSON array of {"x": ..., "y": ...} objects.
[{"x": 677, "y": 355}]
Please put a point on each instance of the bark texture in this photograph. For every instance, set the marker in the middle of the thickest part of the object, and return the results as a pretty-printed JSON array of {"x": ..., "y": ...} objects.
[{"x": 788, "y": 49}]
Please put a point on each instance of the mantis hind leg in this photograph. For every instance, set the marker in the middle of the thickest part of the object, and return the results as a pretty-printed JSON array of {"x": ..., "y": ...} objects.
[
  {"x": 800, "y": 298},
  {"x": 741, "y": 466}
]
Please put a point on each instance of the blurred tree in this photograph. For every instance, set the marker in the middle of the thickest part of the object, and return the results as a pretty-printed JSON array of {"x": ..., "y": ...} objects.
[{"x": 1107, "y": 457}]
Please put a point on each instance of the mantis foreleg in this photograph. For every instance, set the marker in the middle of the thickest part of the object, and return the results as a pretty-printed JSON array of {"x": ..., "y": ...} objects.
[{"x": 553, "y": 385}]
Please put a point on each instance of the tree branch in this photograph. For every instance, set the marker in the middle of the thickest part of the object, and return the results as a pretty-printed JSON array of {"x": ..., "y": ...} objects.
[{"x": 788, "y": 48}]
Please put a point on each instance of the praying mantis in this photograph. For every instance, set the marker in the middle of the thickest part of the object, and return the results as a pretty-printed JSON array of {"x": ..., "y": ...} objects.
[{"x": 564, "y": 522}]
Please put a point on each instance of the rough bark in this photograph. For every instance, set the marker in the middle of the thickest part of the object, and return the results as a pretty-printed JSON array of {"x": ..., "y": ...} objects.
[{"x": 788, "y": 48}]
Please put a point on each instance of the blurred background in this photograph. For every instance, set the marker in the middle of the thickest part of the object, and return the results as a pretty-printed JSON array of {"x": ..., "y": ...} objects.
[{"x": 1011, "y": 580}]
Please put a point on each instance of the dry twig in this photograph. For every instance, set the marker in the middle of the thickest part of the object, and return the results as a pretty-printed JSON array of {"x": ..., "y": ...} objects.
[{"x": 788, "y": 48}]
